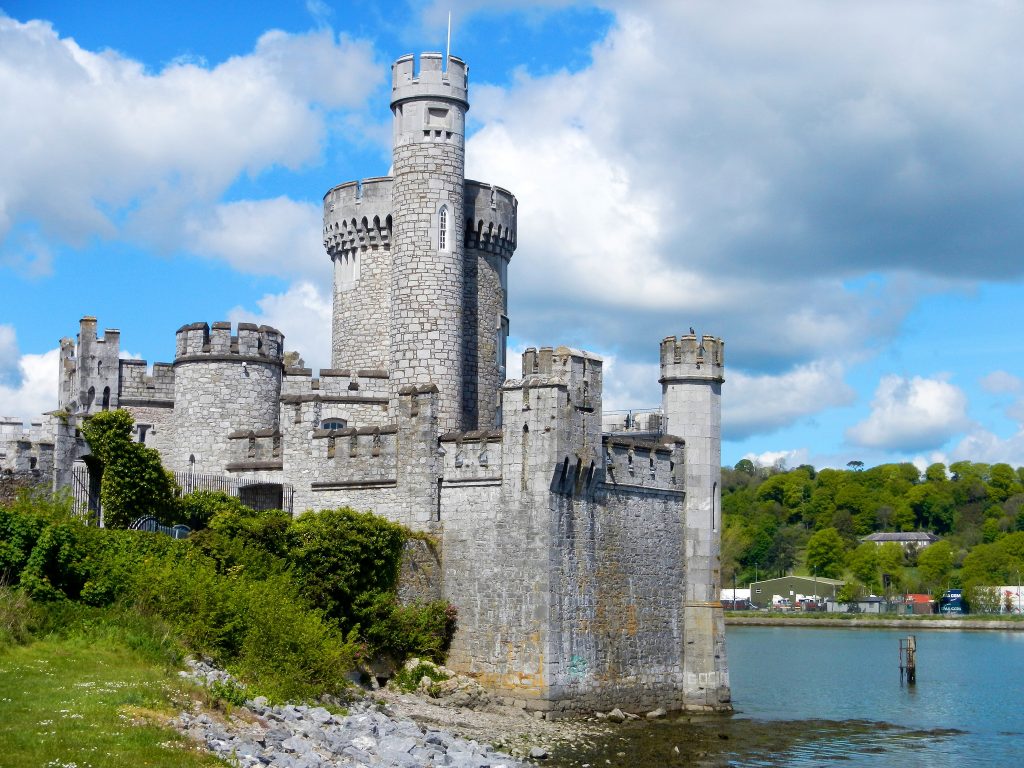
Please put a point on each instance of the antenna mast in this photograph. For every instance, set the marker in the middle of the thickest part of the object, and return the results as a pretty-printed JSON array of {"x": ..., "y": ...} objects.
[{"x": 448, "y": 45}]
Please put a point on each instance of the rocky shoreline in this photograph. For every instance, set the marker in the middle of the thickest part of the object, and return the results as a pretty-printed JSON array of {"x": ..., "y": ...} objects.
[{"x": 383, "y": 728}]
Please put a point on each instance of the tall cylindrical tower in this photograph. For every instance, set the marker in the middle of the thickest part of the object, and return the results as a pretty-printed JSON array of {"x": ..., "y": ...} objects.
[
  {"x": 223, "y": 383},
  {"x": 429, "y": 118},
  {"x": 692, "y": 373}
]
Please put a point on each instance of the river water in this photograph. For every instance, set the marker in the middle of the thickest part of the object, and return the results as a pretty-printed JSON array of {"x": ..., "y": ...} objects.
[{"x": 823, "y": 697}]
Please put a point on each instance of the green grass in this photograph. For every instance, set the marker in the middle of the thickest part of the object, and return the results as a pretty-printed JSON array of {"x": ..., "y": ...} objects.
[{"x": 87, "y": 701}]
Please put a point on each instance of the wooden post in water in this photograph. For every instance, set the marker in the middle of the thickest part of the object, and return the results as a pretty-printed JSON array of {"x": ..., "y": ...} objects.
[{"x": 908, "y": 659}]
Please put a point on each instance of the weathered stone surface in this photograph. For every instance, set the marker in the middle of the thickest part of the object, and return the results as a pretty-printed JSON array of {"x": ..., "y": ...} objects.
[{"x": 584, "y": 567}]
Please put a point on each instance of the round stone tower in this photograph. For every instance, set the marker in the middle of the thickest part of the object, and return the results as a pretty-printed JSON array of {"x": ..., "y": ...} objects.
[
  {"x": 427, "y": 275},
  {"x": 223, "y": 383},
  {"x": 692, "y": 373},
  {"x": 357, "y": 236}
]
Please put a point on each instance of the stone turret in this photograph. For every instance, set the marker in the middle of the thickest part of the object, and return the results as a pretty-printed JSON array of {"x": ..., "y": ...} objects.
[
  {"x": 692, "y": 373},
  {"x": 89, "y": 369},
  {"x": 357, "y": 236},
  {"x": 490, "y": 240},
  {"x": 429, "y": 117},
  {"x": 223, "y": 383}
]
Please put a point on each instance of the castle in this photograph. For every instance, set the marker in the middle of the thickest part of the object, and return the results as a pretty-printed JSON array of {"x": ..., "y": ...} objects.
[{"x": 583, "y": 561}]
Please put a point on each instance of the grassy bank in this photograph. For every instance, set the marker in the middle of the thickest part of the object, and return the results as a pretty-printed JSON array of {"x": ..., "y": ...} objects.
[
  {"x": 888, "y": 621},
  {"x": 87, "y": 699}
]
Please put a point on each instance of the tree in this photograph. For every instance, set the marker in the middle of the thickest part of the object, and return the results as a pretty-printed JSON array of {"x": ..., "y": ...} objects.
[
  {"x": 863, "y": 562},
  {"x": 856, "y": 465},
  {"x": 746, "y": 466},
  {"x": 935, "y": 564},
  {"x": 133, "y": 482},
  {"x": 890, "y": 563},
  {"x": 825, "y": 551}
]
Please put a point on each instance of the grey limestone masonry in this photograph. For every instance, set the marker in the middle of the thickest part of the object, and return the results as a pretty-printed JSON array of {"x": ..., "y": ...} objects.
[{"x": 583, "y": 561}]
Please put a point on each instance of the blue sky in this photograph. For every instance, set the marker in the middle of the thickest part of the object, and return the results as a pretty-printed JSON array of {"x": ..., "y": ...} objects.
[{"x": 836, "y": 188}]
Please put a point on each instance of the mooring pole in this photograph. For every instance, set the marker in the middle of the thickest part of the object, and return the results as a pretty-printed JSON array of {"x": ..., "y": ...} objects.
[{"x": 908, "y": 659}]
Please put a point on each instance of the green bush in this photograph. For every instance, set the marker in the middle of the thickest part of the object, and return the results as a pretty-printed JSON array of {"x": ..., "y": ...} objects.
[
  {"x": 197, "y": 508},
  {"x": 341, "y": 557},
  {"x": 424, "y": 630},
  {"x": 408, "y": 680},
  {"x": 290, "y": 606},
  {"x": 133, "y": 482}
]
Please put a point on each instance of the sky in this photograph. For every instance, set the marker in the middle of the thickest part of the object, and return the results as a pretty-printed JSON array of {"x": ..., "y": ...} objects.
[{"x": 836, "y": 188}]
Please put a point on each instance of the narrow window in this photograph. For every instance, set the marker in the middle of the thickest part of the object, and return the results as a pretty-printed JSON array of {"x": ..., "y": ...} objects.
[
  {"x": 442, "y": 229},
  {"x": 106, "y": 398}
]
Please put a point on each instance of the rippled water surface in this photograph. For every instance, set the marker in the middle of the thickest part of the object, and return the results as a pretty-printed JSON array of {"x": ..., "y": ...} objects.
[{"x": 823, "y": 697}]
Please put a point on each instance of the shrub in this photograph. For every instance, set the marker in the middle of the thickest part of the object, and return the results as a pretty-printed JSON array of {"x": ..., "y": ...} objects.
[
  {"x": 342, "y": 556},
  {"x": 133, "y": 481},
  {"x": 408, "y": 678},
  {"x": 197, "y": 508},
  {"x": 403, "y": 631}
]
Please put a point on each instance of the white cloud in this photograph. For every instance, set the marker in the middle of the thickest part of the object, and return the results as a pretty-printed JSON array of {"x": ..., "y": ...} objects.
[
  {"x": 984, "y": 446},
  {"x": 303, "y": 315},
  {"x": 912, "y": 414},
  {"x": 35, "y": 389},
  {"x": 781, "y": 459},
  {"x": 763, "y": 403},
  {"x": 1001, "y": 382},
  {"x": 277, "y": 237},
  {"x": 101, "y": 141}
]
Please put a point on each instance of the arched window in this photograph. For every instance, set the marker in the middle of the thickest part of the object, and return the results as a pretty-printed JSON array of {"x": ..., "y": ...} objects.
[
  {"x": 442, "y": 229},
  {"x": 333, "y": 424}
]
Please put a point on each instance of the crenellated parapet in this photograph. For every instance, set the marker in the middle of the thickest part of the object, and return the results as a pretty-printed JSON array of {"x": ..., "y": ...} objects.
[
  {"x": 579, "y": 371},
  {"x": 644, "y": 463},
  {"x": 687, "y": 358},
  {"x": 491, "y": 218},
  {"x": 431, "y": 81},
  {"x": 357, "y": 215},
  {"x": 471, "y": 457},
  {"x": 138, "y": 385},
  {"x": 358, "y": 456},
  {"x": 197, "y": 342}
]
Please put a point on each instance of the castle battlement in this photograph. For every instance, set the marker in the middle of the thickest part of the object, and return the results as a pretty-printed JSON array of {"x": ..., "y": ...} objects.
[
  {"x": 87, "y": 333},
  {"x": 358, "y": 215},
  {"x": 643, "y": 463},
  {"x": 431, "y": 80},
  {"x": 684, "y": 358},
  {"x": 198, "y": 341},
  {"x": 138, "y": 384},
  {"x": 473, "y": 456},
  {"x": 491, "y": 218}
]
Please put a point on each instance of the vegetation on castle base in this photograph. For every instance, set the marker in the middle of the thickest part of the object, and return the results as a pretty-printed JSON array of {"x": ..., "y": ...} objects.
[
  {"x": 807, "y": 521},
  {"x": 290, "y": 606},
  {"x": 133, "y": 481}
]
